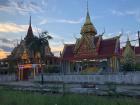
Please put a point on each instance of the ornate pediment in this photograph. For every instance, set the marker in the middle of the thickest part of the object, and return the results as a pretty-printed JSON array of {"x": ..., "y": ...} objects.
[{"x": 85, "y": 45}]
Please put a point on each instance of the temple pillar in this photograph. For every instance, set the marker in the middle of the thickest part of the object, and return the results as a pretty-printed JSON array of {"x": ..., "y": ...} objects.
[
  {"x": 115, "y": 64},
  {"x": 112, "y": 64},
  {"x": 21, "y": 74},
  {"x": 64, "y": 67},
  {"x": 69, "y": 66},
  {"x": 18, "y": 74},
  {"x": 78, "y": 67},
  {"x": 36, "y": 69},
  {"x": 34, "y": 72}
]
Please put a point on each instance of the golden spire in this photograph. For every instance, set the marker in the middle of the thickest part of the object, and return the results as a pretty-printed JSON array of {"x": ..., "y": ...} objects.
[
  {"x": 87, "y": 5},
  {"x": 30, "y": 21},
  {"x": 88, "y": 27},
  {"x": 88, "y": 21},
  {"x": 30, "y": 31}
]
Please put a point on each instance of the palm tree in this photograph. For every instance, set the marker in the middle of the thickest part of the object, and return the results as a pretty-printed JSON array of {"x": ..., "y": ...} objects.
[{"x": 38, "y": 45}]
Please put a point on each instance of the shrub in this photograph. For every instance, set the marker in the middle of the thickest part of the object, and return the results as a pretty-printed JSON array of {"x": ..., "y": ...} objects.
[{"x": 52, "y": 69}]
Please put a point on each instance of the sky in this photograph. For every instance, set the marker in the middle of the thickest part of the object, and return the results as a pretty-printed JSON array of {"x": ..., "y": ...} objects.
[{"x": 63, "y": 20}]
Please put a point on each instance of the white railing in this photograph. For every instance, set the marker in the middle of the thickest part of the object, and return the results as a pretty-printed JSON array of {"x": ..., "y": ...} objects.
[
  {"x": 119, "y": 78},
  {"x": 6, "y": 78}
]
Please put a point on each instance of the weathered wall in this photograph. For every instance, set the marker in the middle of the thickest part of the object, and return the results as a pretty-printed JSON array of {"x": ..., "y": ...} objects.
[
  {"x": 6, "y": 78},
  {"x": 120, "y": 78}
]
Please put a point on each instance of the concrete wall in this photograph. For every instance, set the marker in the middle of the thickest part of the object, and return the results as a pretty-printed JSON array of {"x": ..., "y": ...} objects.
[
  {"x": 6, "y": 78},
  {"x": 119, "y": 78}
]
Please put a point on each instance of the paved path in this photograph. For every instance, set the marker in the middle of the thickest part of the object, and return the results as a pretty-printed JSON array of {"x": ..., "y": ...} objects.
[{"x": 19, "y": 83}]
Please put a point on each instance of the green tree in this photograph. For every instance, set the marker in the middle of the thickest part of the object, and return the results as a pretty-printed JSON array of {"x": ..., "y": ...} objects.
[{"x": 38, "y": 44}]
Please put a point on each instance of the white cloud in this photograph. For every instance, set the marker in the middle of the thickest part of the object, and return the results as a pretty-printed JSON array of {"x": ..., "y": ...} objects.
[
  {"x": 8, "y": 30},
  {"x": 57, "y": 48},
  {"x": 21, "y": 7},
  {"x": 44, "y": 2},
  {"x": 134, "y": 13},
  {"x": 57, "y": 37},
  {"x": 3, "y": 54},
  {"x": 58, "y": 42},
  {"x": 45, "y": 21},
  {"x": 16, "y": 28},
  {"x": 132, "y": 37},
  {"x": 118, "y": 13},
  {"x": 56, "y": 53},
  {"x": 70, "y": 21},
  {"x": 12, "y": 27}
]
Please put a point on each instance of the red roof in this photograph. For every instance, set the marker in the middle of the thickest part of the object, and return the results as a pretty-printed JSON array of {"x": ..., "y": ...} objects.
[
  {"x": 107, "y": 48},
  {"x": 68, "y": 51},
  {"x": 96, "y": 40},
  {"x": 137, "y": 50}
]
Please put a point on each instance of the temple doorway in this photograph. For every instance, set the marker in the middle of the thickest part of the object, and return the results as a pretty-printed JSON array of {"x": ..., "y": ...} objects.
[{"x": 28, "y": 71}]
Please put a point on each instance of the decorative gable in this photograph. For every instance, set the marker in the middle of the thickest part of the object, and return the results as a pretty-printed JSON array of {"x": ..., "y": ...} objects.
[{"x": 85, "y": 45}]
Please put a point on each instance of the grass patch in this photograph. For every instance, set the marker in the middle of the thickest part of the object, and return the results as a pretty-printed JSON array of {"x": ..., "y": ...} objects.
[{"x": 10, "y": 97}]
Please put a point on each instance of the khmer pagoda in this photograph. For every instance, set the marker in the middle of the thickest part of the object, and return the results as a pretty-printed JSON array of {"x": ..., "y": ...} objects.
[
  {"x": 131, "y": 55},
  {"x": 91, "y": 53},
  {"x": 26, "y": 62}
]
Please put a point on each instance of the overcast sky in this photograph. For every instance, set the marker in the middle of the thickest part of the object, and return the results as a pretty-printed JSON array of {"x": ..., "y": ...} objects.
[{"x": 63, "y": 19}]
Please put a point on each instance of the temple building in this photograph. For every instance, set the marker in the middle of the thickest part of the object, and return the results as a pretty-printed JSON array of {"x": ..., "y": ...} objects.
[
  {"x": 128, "y": 54},
  {"x": 21, "y": 53},
  {"x": 131, "y": 54},
  {"x": 91, "y": 53},
  {"x": 28, "y": 63}
]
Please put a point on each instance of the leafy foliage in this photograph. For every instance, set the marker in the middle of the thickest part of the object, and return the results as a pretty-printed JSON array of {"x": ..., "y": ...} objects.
[
  {"x": 128, "y": 67},
  {"x": 38, "y": 44},
  {"x": 131, "y": 67},
  {"x": 52, "y": 69}
]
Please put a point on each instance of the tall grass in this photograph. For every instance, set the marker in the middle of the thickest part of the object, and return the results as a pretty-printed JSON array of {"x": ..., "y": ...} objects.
[{"x": 10, "y": 97}]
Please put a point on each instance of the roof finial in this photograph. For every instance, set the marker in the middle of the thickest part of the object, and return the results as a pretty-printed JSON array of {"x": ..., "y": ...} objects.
[
  {"x": 88, "y": 21},
  {"x": 103, "y": 31},
  {"x": 30, "y": 21},
  {"x": 127, "y": 38},
  {"x": 87, "y": 6},
  {"x": 87, "y": 9},
  {"x": 30, "y": 31}
]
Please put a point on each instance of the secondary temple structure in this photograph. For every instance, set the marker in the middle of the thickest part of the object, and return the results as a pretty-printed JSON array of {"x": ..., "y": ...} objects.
[
  {"x": 91, "y": 53},
  {"x": 26, "y": 62}
]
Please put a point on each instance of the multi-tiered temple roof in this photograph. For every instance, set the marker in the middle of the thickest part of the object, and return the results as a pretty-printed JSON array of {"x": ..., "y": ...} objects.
[
  {"x": 19, "y": 52},
  {"x": 91, "y": 45}
]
